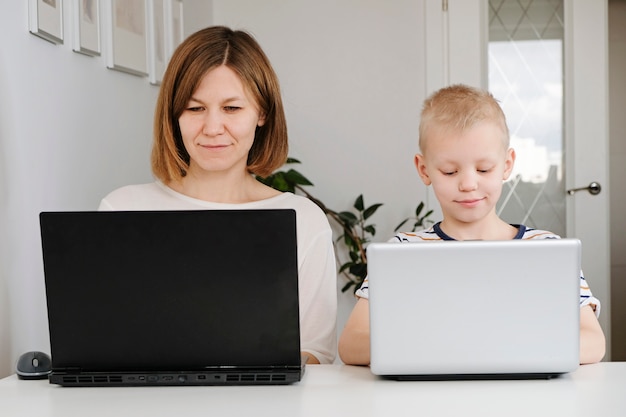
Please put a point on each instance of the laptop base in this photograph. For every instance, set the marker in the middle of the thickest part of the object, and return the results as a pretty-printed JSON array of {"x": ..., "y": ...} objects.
[
  {"x": 223, "y": 377},
  {"x": 471, "y": 377},
  {"x": 172, "y": 297}
]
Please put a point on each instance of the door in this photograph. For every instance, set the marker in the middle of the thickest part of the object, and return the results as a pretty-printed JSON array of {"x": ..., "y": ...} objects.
[
  {"x": 546, "y": 61},
  {"x": 617, "y": 104}
]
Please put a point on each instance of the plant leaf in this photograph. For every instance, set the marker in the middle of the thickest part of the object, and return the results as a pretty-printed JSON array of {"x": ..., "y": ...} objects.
[
  {"x": 295, "y": 177},
  {"x": 371, "y": 229},
  {"x": 345, "y": 266},
  {"x": 347, "y": 286},
  {"x": 347, "y": 239},
  {"x": 280, "y": 183},
  {"x": 348, "y": 217},
  {"x": 359, "y": 270},
  {"x": 419, "y": 209},
  {"x": 371, "y": 210},
  {"x": 400, "y": 225},
  {"x": 358, "y": 204}
]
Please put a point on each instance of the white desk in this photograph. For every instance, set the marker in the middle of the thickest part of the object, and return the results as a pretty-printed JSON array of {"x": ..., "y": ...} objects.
[{"x": 334, "y": 390}]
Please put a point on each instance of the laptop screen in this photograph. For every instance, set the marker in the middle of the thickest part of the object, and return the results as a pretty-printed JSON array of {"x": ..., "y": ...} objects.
[
  {"x": 179, "y": 291},
  {"x": 474, "y": 307}
]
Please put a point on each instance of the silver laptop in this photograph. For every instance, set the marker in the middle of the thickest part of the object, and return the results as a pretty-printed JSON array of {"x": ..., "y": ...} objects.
[{"x": 474, "y": 309}]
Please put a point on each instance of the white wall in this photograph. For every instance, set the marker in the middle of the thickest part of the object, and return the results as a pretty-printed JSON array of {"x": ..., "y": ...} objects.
[
  {"x": 71, "y": 130},
  {"x": 353, "y": 81}
]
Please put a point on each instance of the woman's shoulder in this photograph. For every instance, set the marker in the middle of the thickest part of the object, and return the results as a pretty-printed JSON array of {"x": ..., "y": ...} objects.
[
  {"x": 133, "y": 197},
  {"x": 134, "y": 189},
  {"x": 310, "y": 217},
  {"x": 287, "y": 200},
  {"x": 301, "y": 202},
  {"x": 304, "y": 207}
]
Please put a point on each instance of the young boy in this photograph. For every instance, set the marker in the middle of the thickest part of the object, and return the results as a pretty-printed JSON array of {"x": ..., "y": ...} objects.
[{"x": 465, "y": 156}]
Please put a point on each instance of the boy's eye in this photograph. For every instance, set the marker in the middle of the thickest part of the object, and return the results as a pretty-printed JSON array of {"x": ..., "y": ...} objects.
[{"x": 448, "y": 173}]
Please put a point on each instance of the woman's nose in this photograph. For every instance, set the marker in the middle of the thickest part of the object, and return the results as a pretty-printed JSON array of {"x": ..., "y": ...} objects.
[{"x": 213, "y": 124}]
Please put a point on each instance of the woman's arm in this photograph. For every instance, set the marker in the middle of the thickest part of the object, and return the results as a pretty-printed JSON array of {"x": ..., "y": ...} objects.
[
  {"x": 354, "y": 342},
  {"x": 318, "y": 300},
  {"x": 592, "y": 342}
]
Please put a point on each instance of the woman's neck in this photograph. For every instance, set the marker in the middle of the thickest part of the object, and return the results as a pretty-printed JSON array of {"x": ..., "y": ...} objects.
[{"x": 223, "y": 188}]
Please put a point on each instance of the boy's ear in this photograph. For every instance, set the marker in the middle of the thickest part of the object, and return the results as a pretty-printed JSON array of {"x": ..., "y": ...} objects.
[
  {"x": 509, "y": 162},
  {"x": 421, "y": 168}
]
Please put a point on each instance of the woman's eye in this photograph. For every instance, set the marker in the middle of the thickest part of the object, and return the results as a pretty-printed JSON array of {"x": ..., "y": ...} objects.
[
  {"x": 195, "y": 108},
  {"x": 231, "y": 109}
]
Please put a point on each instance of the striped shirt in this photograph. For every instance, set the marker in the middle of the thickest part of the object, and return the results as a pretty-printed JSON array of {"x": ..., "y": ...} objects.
[{"x": 434, "y": 233}]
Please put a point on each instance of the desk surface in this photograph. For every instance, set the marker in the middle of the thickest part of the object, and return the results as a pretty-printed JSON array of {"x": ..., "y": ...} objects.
[{"x": 335, "y": 390}]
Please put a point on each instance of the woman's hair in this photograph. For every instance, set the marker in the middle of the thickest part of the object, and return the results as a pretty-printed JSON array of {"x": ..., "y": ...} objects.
[
  {"x": 457, "y": 108},
  {"x": 201, "y": 52}
]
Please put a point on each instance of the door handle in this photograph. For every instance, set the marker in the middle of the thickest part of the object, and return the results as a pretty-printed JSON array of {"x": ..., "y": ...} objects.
[{"x": 594, "y": 188}]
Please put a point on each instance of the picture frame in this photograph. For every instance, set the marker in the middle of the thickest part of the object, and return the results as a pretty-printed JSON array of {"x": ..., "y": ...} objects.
[
  {"x": 157, "y": 48},
  {"x": 175, "y": 27},
  {"x": 86, "y": 16},
  {"x": 127, "y": 36},
  {"x": 45, "y": 19}
]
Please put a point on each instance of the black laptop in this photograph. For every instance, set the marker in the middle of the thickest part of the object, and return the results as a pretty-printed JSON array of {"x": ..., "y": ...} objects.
[{"x": 172, "y": 297}]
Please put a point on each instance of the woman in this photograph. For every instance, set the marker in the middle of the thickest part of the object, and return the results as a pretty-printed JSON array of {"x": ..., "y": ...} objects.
[{"x": 219, "y": 121}]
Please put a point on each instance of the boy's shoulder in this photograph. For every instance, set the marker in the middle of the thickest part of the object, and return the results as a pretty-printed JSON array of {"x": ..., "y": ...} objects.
[
  {"x": 530, "y": 233},
  {"x": 424, "y": 235},
  {"x": 434, "y": 233}
]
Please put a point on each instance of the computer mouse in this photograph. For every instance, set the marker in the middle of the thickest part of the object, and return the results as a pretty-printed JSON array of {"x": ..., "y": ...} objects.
[{"x": 33, "y": 365}]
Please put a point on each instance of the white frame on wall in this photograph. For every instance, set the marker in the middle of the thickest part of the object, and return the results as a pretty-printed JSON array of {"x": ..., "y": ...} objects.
[
  {"x": 86, "y": 22},
  {"x": 127, "y": 41},
  {"x": 175, "y": 25},
  {"x": 157, "y": 39},
  {"x": 45, "y": 19},
  {"x": 166, "y": 32}
]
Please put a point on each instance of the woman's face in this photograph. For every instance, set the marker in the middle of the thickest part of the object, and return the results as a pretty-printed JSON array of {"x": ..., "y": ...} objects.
[{"x": 218, "y": 124}]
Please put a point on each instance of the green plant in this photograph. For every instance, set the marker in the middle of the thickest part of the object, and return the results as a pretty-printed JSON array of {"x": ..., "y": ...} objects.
[
  {"x": 356, "y": 235},
  {"x": 356, "y": 231},
  {"x": 420, "y": 220}
]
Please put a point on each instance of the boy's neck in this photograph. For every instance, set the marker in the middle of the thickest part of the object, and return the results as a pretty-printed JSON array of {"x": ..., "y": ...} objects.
[{"x": 486, "y": 229}]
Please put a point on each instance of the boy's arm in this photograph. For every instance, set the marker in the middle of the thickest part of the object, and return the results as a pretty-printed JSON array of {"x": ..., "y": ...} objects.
[
  {"x": 592, "y": 342},
  {"x": 354, "y": 342}
]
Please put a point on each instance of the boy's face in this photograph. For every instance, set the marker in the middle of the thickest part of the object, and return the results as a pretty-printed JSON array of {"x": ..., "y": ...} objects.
[{"x": 466, "y": 169}]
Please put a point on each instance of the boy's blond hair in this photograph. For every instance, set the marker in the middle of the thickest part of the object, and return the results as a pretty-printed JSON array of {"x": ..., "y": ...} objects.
[{"x": 457, "y": 108}]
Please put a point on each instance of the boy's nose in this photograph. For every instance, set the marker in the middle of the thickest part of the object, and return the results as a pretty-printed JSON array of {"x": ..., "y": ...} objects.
[{"x": 468, "y": 183}]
